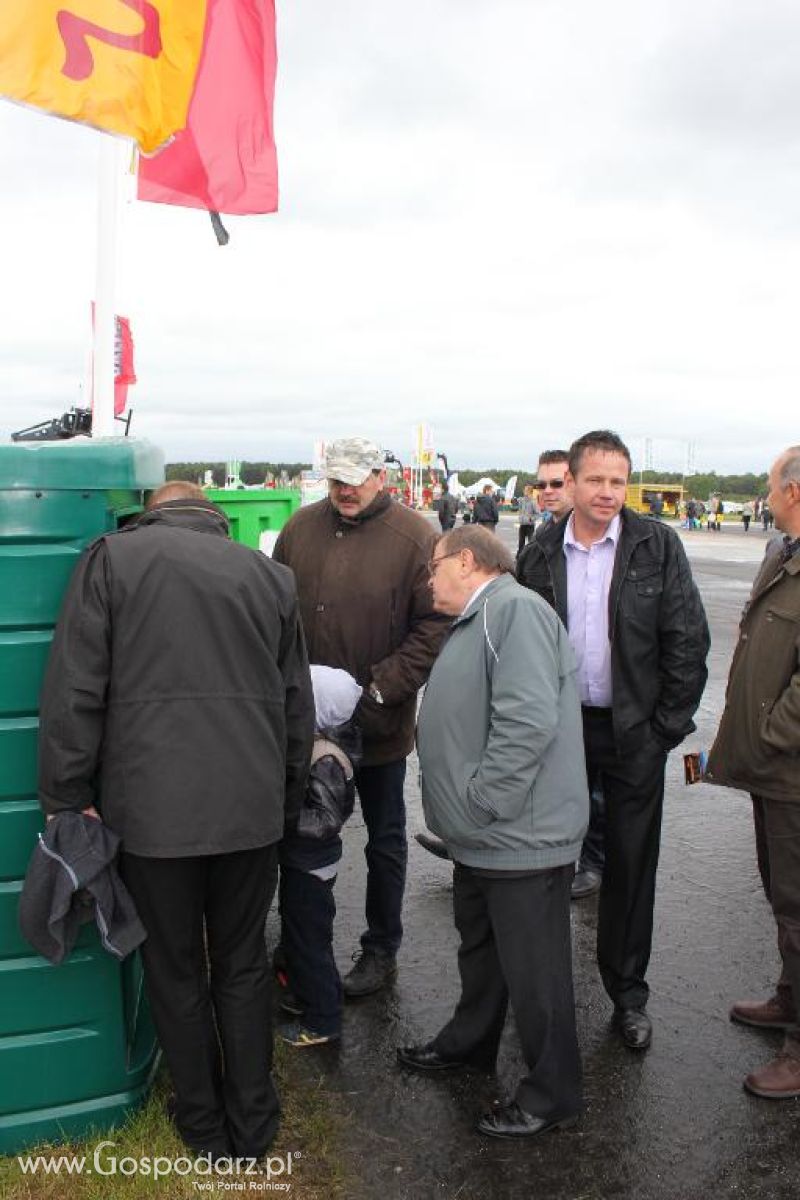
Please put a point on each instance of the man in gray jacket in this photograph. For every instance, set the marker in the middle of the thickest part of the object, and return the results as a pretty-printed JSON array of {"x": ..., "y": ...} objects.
[{"x": 504, "y": 785}]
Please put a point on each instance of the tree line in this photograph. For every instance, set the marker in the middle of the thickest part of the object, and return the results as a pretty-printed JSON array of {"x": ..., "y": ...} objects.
[
  {"x": 733, "y": 487},
  {"x": 701, "y": 486},
  {"x": 249, "y": 472}
]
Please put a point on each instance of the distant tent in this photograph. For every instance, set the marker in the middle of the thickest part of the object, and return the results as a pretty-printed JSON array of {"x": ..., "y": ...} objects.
[{"x": 477, "y": 488}]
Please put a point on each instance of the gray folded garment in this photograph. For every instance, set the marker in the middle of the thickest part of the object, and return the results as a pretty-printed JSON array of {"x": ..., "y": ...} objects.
[{"x": 72, "y": 878}]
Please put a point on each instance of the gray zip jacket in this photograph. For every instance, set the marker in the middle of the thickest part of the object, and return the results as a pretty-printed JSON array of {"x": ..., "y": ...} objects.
[{"x": 500, "y": 736}]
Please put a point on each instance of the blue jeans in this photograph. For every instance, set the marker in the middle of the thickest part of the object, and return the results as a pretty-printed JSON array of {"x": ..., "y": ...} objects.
[{"x": 380, "y": 791}]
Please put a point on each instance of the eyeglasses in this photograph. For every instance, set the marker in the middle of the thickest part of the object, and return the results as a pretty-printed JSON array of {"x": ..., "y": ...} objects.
[
  {"x": 434, "y": 564},
  {"x": 541, "y": 484}
]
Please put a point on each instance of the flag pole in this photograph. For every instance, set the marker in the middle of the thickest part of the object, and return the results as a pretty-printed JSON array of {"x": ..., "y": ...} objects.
[{"x": 108, "y": 190}]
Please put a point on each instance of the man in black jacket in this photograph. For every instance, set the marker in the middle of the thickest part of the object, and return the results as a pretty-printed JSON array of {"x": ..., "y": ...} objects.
[
  {"x": 622, "y": 585},
  {"x": 486, "y": 511},
  {"x": 448, "y": 509},
  {"x": 178, "y": 703}
]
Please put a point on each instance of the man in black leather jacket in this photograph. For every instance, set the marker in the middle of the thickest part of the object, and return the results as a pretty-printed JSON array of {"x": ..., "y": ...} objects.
[
  {"x": 486, "y": 510},
  {"x": 622, "y": 585}
]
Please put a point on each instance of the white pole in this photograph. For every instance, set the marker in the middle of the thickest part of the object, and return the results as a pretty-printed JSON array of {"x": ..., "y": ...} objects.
[{"x": 108, "y": 189}]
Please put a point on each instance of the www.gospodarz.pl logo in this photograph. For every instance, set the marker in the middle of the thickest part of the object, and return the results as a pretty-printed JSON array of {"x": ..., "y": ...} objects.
[{"x": 273, "y": 1174}]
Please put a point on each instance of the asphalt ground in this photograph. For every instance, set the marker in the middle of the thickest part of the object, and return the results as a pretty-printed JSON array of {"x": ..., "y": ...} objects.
[{"x": 672, "y": 1124}]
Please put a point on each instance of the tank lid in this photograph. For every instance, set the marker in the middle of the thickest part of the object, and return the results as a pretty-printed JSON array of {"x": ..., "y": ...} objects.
[{"x": 82, "y": 463}]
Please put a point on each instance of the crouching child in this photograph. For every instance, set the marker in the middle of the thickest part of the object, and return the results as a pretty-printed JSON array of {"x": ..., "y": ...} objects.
[{"x": 309, "y": 861}]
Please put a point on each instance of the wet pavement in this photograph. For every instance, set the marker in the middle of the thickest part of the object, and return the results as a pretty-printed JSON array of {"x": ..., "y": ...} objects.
[{"x": 672, "y": 1124}]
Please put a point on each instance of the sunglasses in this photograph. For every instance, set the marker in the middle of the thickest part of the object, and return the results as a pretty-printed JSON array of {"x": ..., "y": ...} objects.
[
  {"x": 433, "y": 565},
  {"x": 541, "y": 484}
]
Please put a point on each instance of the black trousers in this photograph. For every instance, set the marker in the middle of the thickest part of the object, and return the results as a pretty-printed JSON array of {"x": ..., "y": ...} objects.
[
  {"x": 633, "y": 794},
  {"x": 208, "y": 983},
  {"x": 515, "y": 944},
  {"x": 777, "y": 825},
  {"x": 524, "y": 536}
]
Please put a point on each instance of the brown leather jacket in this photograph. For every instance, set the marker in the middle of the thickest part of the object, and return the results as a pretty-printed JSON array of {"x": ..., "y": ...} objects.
[
  {"x": 366, "y": 606},
  {"x": 757, "y": 747}
]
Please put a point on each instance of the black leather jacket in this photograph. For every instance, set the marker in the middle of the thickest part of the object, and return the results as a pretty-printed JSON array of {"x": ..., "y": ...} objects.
[
  {"x": 331, "y": 791},
  {"x": 657, "y": 625}
]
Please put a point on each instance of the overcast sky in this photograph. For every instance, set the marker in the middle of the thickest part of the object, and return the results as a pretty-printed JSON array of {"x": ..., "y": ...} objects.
[{"x": 514, "y": 220}]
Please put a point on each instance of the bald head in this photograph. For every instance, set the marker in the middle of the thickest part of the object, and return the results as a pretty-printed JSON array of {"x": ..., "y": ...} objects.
[
  {"x": 784, "y": 491},
  {"x": 789, "y": 465},
  {"x": 176, "y": 489}
]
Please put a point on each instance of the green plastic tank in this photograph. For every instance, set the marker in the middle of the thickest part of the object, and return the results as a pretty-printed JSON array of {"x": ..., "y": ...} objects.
[
  {"x": 256, "y": 515},
  {"x": 77, "y": 1047}
]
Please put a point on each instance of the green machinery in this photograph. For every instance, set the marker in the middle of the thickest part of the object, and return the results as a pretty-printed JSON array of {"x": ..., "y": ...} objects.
[
  {"x": 77, "y": 1047},
  {"x": 256, "y": 515}
]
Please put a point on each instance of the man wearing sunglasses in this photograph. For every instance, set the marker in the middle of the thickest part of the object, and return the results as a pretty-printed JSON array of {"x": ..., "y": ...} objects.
[
  {"x": 622, "y": 585},
  {"x": 555, "y": 498}
]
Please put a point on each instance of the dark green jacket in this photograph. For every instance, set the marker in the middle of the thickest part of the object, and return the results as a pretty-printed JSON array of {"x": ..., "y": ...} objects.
[{"x": 757, "y": 747}]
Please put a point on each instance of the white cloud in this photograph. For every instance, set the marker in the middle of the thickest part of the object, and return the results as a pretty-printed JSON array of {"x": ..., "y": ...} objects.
[{"x": 512, "y": 221}]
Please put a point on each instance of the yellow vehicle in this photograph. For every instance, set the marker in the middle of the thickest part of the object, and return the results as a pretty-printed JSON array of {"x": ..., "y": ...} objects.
[{"x": 639, "y": 497}]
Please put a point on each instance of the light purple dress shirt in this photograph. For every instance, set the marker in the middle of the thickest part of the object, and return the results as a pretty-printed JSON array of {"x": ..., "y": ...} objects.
[{"x": 588, "y": 582}]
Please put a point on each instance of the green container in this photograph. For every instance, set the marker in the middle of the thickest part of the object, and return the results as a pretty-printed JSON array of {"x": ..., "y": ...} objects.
[
  {"x": 256, "y": 516},
  {"x": 77, "y": 1047}
]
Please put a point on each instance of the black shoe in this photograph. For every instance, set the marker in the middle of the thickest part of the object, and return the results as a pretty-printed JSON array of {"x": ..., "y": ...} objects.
[
  {"x": 425, "y": 1058},
  {"x": 635, "y": 1027},
  {"x": 511, "y": 1121},
  {"x": 373, "y": 970},
  {"x": 214, "y": 1151},
  {"x": 433, "y": 845},
  {"x": 585, "y": 883}
]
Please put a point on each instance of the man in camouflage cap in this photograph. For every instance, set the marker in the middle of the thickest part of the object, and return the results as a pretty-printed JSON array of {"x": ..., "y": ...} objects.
[
  {"x": 352, "y": 460},
  {"x": 361, "y": 564}
]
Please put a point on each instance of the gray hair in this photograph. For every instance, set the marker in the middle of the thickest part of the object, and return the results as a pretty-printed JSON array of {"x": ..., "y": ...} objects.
[
  {"x": 488, "y": 551},
  {"x": 790, "y": 467}
]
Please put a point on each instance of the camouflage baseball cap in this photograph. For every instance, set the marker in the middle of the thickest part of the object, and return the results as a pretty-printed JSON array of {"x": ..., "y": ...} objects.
[{"x": 350, "y": 460}]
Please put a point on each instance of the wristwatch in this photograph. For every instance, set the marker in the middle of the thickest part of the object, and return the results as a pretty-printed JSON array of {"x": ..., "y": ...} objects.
[{"x": 376, "y": 696}]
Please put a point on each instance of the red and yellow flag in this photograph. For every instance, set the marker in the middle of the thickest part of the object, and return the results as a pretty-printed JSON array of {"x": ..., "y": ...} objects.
[
  {"x": 127, "y": 66},
  {"x": 225, "y": 159}
]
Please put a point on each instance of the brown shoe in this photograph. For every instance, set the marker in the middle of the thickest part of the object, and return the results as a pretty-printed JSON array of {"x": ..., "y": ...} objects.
[
  {"x": 778, "y": 1080},
  {"x": 774, "y": 1013}
]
